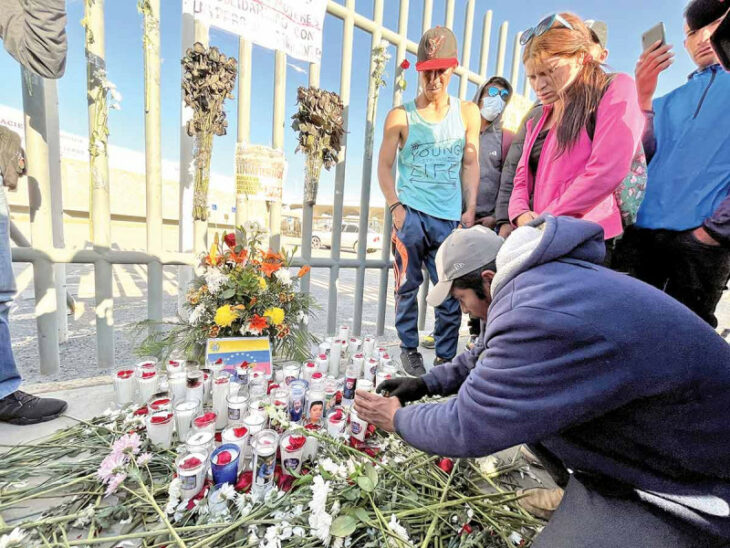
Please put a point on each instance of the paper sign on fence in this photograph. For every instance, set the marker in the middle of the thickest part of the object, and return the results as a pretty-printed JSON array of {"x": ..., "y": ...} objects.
[{"x": 292, "y": 26}]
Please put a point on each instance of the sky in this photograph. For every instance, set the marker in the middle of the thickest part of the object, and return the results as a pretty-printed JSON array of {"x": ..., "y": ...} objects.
[{"x": 626, "y": 19}]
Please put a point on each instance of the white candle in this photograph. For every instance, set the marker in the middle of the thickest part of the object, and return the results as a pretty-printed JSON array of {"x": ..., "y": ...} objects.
[
  {"x": 184, "y": 413},
  {"x": 353, "y": 345},
  {"x": 358, "y": 427},
  {"x": 264, "y": 446},
  {"x": 334, "y": 358},
  {"x": 357, "y": 361},
  {"x": 385, "y": 373},
  {"x": 205, "y": 423},
  {"x": 336, "y": 422},
  {"x": 200, "y": 442},
  {"x": 308, "y": 370},
  {"x": 237, "y": 435},
  {"x": 292, "y": 449},
  {"x": 255, "y": 422},
  {"x": 311, "y": 446},
  {"x": 365, "y": 384},
  {"x": 317, "y": 381},
  {"x": 161, "y": 401},
  {"x": 237, "y": 408},
  {"x": 291, "y": 372},
  {"x": 368, "y": 346},
  {"x": 344, "y": 333},
  {"x": 175, "y": 366},
  {"x": 221, "y": 385},
  {"x": 124, "y": 385},
  {"x": 146, "y": 385},
  {"x": 207, "y": 383},
  {"x": 370, "y": 369},
  {"x": 322, "y": 363},
  {"x": 159, "y": 428},
  {"x": 195, "y": 389},
  {"x": 191, "y": 470},
  {"x": 324, "y": 348},
  {"x": 178, "y": 386}
]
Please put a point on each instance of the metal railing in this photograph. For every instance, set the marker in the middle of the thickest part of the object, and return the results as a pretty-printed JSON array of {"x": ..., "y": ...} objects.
[{"x": 43, "y": 162}]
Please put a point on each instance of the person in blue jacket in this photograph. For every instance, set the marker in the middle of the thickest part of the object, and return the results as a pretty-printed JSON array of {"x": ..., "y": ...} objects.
[
  {"x": 620, "y": 384},
  {"x": 681, "y": 240}
]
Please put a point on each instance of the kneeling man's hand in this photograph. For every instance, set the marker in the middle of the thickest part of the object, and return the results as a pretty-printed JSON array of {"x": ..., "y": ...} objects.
[
  {"x": 376, "y": 409},
  {"x": 404, "y": 388}
]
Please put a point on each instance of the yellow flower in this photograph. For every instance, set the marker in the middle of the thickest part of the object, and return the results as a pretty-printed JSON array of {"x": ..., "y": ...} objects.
[
  {"x": 262, "y": 283},
  {"x": 225, "y": 316},
  {"x": 275, "y": 314}
]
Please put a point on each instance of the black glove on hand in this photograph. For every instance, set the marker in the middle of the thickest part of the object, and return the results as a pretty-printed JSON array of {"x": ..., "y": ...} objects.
[{"x": 404, "y": 388}]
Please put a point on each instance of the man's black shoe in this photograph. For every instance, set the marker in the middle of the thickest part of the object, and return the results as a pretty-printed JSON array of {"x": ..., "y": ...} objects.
[
  {"x": 440, "y": 361},
  {"x": 22, "y": 408},
  {"x": 412, "y": 362}
]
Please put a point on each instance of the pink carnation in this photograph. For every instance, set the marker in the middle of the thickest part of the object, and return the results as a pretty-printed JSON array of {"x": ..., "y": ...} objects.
[
  {"x": 112, "y": 465},
  {"x": 114, "y": 483},
  {"x": 128, "y": 443}
]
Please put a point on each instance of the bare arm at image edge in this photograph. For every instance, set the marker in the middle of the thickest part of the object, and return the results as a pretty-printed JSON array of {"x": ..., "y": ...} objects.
[
  {"x": 34, "y": 33},
  {"x": 470, "y": 163}
]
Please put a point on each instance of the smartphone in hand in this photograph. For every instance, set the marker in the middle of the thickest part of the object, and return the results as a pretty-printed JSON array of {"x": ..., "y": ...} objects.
[{"x": 654, "y": 34}]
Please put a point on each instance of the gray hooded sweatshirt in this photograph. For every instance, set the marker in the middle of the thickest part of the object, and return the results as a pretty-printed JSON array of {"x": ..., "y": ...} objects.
[{"x": 490, "y": 164}]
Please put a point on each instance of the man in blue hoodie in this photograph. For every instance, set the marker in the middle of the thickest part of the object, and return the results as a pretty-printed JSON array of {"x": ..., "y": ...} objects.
[
  {"x": 578, "y": 362},
  {"x": 681, "y": 240}
]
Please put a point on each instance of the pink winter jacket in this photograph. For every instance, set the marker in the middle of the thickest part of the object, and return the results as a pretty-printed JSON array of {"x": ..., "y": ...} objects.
[{"x": 581, "y": 181}]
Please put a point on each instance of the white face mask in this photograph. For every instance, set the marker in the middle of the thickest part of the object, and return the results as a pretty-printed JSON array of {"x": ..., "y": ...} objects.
[{"x": 491, "y": 108}]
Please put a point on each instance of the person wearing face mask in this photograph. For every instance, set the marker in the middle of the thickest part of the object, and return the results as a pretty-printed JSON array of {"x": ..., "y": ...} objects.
[
  {"x": 681, "y": 240},
  {"x": 435, "y": 140},
  {"x": 577, "y": 154}
]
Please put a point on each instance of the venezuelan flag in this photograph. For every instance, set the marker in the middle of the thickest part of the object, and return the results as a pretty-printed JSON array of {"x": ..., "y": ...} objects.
[{"x": 254, "y": 350}]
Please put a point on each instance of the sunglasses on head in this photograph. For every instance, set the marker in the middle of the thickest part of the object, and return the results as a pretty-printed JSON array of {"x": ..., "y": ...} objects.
[
  {"x": 493, "y": 91},
  {"x": 542, "y": 27}
]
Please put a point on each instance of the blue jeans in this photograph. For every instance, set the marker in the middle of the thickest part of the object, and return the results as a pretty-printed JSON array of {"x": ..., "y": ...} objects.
[
  {"x": 414, "y": 244},
  {"x": 9, "y": 376}
]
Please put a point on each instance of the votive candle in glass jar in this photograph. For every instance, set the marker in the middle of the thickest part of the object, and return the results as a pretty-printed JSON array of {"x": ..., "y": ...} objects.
[
  {"x": 191, "y": 469},
  {"x": 358, "y": 427},
  {"x": 195, "y": 389},
  {"x": 317, "y": 381},
  {"x": 370, "y": 369},
  {"x": 207, "y": 383},
  {"x": 368, "y": 346},
  {"x": 308, "y": 369},
  {"x": 291, "y": 448},
  {"x": 178, "y": 385},
  {"x": 264, "y": 447},
  {"x": 237, "y": 408},
  {"x": 159, "y": 428},
  {"x": 200, "y": 442},
  {"x": 336, "y": 422},
  {"x": 146, "y": 385},
  {"x": 297, "y": 397},
  {"x": 124, "y": 385},
  {"x": 160, "y": 401},
  {"x": 322, "y": 364},
  {"x": 220, "y": 391},
  {"x": 224, "y": 464},
  {"x": 354, "y": 345},
  {"x": 185, "y": 411},
  {"x": 237, "y": 435},
  {"x": 255, "y": 422},
  {"x": 205, "y": 423}
]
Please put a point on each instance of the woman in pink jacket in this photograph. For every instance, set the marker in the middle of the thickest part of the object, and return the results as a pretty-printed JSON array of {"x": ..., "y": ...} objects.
[{"x": 579, "y": 151}]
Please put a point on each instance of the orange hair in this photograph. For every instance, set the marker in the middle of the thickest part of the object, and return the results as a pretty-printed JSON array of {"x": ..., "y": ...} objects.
[{"x": 579, "y": 101}]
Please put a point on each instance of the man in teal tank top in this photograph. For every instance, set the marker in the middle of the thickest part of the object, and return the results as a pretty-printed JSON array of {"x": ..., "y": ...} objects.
[{"x": 436, "y": 141}]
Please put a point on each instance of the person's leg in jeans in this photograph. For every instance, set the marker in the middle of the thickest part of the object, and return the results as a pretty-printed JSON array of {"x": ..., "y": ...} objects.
[
  {"x": 699, "y": 274},
  {"x": 642, "y": 252},
  {"x": 9, "y": 376},
  {"x": 409, "y": 247},
  {"x": 16, "y": 407},
  {"x": 448, "y": 313}
]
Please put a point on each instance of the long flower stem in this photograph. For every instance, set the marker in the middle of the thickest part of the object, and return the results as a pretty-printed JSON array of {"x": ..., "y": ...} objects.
[
  {"x": 445, "y": 492},
  {"x": 49, "y": 490}
]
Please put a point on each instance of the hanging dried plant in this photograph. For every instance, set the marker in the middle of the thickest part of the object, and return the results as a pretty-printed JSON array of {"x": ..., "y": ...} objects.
[
  {"x": 208, "y": 80},
  {"x": 320, "y": 124}
]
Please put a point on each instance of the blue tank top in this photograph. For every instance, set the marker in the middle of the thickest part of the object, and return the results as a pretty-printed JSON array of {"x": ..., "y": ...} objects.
[{"x": 429, "y": 165}]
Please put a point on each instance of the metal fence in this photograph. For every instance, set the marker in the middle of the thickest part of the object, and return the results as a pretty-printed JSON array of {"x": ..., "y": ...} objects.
[{"x": 48, "y": 253}]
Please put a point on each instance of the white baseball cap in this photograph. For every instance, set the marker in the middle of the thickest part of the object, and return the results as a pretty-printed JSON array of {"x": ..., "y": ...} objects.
[{"x": 464, "y": 251}]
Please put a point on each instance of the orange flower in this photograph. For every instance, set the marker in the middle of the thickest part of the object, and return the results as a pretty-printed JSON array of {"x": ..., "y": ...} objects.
[
  {"x": 239, "y": 258},
  {"x": 253, "y": 301},
  {"x": 258, "y": 323},
  {"x": 303, "y": 271},
  {"x": 239, "y": 307},
  {"x": 214, "y": 257},
  {"x": 213, "y": 333},
  {"x": 269, "y": 268},
  {"x": 271, "y": 256}
]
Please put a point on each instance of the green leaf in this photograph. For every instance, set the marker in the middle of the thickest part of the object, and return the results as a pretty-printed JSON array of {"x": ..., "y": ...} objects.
[
  {"x": 371, "y": 473},
  {"x": 343, "y": 526},
  {"x": 365, "y": 484},
  {"x": 350, "y": 494},
  {"x": 361, "y": 514},
  {"x": 228, "y": 293}
]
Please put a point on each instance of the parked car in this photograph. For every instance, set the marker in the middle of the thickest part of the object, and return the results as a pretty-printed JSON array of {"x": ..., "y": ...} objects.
[{"x": 349, "y": 240}]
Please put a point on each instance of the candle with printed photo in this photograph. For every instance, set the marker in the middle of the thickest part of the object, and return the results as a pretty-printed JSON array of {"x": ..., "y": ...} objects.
[
  {"x": 291, "y": 448},
  {"x": 264, "y": 447},
  {"x": 358, "y": 427},
  {"x": 191, "y": 470},
  {"x": 237, "y": 408}
]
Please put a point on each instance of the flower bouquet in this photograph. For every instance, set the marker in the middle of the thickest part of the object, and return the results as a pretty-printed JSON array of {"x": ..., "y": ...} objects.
[{"x": 241, "y": 291}]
